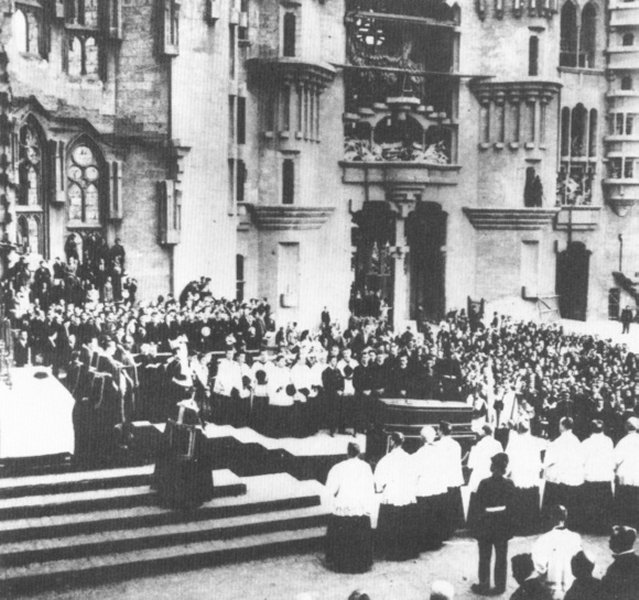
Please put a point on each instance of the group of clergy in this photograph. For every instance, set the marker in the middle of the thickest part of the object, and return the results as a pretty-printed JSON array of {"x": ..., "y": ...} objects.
[{"x": 419, "y": 496}]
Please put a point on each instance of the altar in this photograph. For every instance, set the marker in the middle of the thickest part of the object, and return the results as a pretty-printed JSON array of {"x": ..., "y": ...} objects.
[{"x": 36, "y": 415}]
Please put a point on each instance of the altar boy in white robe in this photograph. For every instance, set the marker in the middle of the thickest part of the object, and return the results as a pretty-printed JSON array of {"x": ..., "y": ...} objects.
[{"x": 349, "y": 539}]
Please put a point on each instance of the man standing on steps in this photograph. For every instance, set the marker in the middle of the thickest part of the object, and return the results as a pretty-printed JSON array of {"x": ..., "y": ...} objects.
[{"x": 349, "y": 538}]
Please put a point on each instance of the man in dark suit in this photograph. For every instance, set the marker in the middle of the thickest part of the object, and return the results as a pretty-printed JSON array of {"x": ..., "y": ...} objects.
[
  {"x": 22, "y": 349},
  {"x": 364, "y": 400},
  {"x": 492, "y": 527},
  {"x": 333, "y": 384},
  {"x": 621, "y": 581},
  {"x": 626, "y": 319}
]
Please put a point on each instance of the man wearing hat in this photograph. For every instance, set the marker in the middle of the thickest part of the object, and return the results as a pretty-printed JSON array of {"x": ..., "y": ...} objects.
[
  {"x": 491, "y": 526},
  {"x": 626, "y": 456},
  {"x": 395, "y": 483},
  {"x": 621, "y": 581}
]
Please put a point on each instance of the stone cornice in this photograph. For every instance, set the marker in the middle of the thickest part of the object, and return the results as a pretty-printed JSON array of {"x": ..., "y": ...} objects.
[
  {"x": 292, "y": 70},
  {"x": 514, "y": 91},
  {"x": 515, "y": 219},
  {"x": 278, "y": 217}
]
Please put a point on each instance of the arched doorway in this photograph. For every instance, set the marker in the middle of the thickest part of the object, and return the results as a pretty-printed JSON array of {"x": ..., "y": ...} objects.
[
  {"x": 426, "y": 237},
  {"x": 373, "y": 235},
  {"x": 571, "y": 284}
]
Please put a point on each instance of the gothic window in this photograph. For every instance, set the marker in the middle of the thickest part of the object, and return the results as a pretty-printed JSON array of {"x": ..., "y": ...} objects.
[
  {"x": 578, "y": 43},
  {"x": 578, "y": 155},
  {"x": 533, "y": 55},
  {"x": 239, "y": 277},
  {"x": 84, "y": 185},
  {"x": 288, "y": 181},
  {"x": 588, "y": 36},
  {"x": 30, "y": 200},
  {"x": 565, "y": 131},
  {"x": 289, "y": 31},
  {"x": 27, "y": 31},
  {"x": 568, "y": 41},
  {"x": 91, "y": 66},
  {"x": 83, "y": 58},
  {"x": 592, "y": 133},
  {"x": 578, "y": 130},
  {"x": 30, "y": 167},
  {"x": 628, "y": 39}
]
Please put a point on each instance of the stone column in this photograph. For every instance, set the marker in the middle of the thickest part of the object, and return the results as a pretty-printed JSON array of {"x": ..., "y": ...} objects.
[{"x": 402, "y": 200}]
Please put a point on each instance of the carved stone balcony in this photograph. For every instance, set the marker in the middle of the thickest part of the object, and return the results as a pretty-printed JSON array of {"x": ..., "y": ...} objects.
[
  {"x": 578, "y": 218},
  {"x": 399, "y": 172},
  {"x": 278, "y": 217},
  {"x": 514, "y": 219},
  {"x": 621, "y": 194},
  {"x": 291, "y": 70}
]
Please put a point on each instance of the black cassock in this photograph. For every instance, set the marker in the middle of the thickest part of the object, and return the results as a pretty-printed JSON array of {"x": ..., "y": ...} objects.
[{"x": 183, "y": 475}]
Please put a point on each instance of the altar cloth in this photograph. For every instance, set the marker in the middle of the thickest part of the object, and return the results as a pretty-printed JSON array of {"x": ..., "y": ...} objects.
[{"x": 36, "y": 416}]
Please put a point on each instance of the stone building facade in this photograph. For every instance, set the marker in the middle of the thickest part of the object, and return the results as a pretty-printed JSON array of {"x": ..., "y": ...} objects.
[{"x": 333, "y": 152}]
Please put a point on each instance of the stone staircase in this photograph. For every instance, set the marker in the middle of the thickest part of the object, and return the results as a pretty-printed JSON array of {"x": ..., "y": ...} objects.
[{"x": 82, "y": 528}]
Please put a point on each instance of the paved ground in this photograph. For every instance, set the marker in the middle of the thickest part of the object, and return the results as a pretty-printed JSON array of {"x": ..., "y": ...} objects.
[
  {"x": 304, "y": 577},
  {"x": 607, "y": 330}
]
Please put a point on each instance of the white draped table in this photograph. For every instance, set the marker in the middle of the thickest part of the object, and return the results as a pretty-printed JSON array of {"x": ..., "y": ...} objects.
[{"x": 35, "y": 416}]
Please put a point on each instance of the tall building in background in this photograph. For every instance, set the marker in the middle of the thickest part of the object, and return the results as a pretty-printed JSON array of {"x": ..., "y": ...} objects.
[{"x": 339, "y": 153}]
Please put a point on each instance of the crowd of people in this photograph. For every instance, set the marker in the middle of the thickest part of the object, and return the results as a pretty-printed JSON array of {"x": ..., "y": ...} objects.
[{"x": 419, "y": 508}]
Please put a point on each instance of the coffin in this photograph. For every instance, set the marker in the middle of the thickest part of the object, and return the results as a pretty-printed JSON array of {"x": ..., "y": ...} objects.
[{"x": 408, "y": 416}]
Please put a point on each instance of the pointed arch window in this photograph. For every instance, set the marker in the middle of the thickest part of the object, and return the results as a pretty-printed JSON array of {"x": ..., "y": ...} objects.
[
  {"x": 568, "y": 33},
  {"x": 588, "y": 36},
  {"x": 85, "y": 181},
  {"x": 27, "y": 29},
  {"x": 30, "y": 201},
  {"x": 578, "y": 37},
  {"x": 579, "y": 137}
]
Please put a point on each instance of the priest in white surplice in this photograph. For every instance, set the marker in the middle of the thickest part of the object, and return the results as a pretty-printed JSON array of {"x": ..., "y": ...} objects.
[
  {"x": 627, "y": 472},
  {"x": 349, "y": 539},
  {"x": 552, "y": 554},
  {"x": 395, "y": 484},
  {"x": 599, "y": 473},
  {"x": 525, "y": 470},
  {"x": 431, "y": 492},
  {"x": 564, "y": 473},
  {"x": 451, "y": 457}
]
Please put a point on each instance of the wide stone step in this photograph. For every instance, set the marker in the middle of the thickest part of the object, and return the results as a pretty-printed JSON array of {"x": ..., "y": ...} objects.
[
  {"x": 226, "y": 483},
  {"x": 265, "y": 493},
  {"x": 66, "y": 483},
  {"x": 140, "y": 563},
  {"x": 126, "y": 540}
]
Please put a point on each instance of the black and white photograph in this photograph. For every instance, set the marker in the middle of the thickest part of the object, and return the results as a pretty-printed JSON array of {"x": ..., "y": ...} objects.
[{"x": 319, "y": 299}]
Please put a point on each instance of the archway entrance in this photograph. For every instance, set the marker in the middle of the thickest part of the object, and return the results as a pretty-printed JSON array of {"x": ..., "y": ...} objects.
[
  {"x": 571, "y": 282},
  {"x": 373, "y": 236},
  {"x": 426, "y": 237}
]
